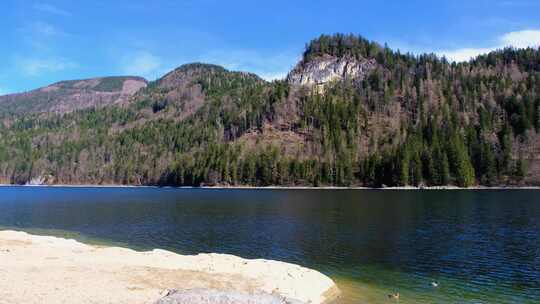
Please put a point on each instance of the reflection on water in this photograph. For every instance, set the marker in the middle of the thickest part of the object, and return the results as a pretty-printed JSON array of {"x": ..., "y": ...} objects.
[{"x": 482, "y": 246}]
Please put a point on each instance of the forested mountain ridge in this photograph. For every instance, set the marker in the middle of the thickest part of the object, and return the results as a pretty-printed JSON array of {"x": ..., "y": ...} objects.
[
  {"x": 351, "y": 113},
  {"x": 67, "y": 96}
]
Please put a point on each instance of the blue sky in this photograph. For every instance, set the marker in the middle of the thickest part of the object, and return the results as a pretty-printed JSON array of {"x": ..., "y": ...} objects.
[{"x": 52, "y": 40}]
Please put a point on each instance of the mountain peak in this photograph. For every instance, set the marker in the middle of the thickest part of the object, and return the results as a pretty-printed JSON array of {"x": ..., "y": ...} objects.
[
  {"x": 67, "y": 96},
  {"x": 102, "y": 84},
  {"x": 327, "y": 68},
  {"x": 334, "y": 58},
  {"x": 340, "y": 45},
  {"x": 188, "y": 72}
]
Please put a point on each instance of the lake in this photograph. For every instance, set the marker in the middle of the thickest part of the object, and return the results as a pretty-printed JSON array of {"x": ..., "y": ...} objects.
[{"x": 482, "y": 246}]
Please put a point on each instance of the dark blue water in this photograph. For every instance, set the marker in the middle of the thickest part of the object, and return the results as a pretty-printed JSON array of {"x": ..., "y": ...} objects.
[{"x": 482, "y": 246}]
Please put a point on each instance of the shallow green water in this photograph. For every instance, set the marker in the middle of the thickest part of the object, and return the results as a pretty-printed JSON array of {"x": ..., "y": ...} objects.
[{"x": 481, "y": 246}]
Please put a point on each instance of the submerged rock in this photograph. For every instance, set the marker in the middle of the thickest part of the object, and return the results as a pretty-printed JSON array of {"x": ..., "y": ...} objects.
[{"x": 204, "y": 296}]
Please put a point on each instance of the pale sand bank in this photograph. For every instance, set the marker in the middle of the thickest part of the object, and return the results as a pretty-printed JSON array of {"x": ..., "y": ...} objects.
[{"x": 42, "y": 269}]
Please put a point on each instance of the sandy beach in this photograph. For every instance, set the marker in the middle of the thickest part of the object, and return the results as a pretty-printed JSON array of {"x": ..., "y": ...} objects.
[{"x": 44, "y": 269}]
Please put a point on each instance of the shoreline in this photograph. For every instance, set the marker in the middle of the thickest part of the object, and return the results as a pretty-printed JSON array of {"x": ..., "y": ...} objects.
[
  {"x": 79, "y": 273},
  {"x": 276, "y": 187}
]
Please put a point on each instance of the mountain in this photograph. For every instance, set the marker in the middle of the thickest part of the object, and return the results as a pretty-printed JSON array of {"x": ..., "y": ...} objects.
[
  {"x": 351, "y": 113},
  {"x": 68, "y": 96}
]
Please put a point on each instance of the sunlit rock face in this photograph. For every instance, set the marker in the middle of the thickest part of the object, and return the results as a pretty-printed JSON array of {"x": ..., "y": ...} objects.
[{"x": 325, "y": 69}]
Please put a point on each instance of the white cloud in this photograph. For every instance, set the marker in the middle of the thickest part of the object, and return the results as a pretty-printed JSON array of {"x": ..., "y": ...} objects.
[
  {"x": 50, "y": 9},
  {"x": 273, "y": 76},
  {"x": 142, "y": 64},
  {"x": 268, "y": 67},
  {"x": 44, "y": 29},
  {"x": 39, "y": 66},
  {"x": 463, "y": 54},
  {"x": 521, "y": 39},
  {"x": 518, "y": 39}
]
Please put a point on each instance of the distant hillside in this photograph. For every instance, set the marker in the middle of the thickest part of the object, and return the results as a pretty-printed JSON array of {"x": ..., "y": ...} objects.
[
  {"x": 68, "y": 96},
  {"x": 351, "y": 113}
]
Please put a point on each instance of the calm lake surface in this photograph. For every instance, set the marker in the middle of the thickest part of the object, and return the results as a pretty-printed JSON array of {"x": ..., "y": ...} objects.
[{"x": 481, "y": 246}]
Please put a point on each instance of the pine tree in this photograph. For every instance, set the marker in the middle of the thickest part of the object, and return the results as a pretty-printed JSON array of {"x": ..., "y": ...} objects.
[
  {"x": 520, "y": 170},
  {"x": 489, "y": 165},
  {"x": 506, "y": 148},
  {"x": 416, "y": 166},
  {"x": 445, "y": 170},
  {"x": 461, "y": 162},
  {"x": 404, "y": 161}
]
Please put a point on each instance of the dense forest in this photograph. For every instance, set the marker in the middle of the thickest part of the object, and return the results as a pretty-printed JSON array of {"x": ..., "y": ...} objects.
[{"x": 411, "y": 120}]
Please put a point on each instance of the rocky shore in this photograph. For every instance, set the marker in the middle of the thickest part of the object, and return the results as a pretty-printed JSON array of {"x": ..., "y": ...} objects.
[{"x": 44, "y": 269}]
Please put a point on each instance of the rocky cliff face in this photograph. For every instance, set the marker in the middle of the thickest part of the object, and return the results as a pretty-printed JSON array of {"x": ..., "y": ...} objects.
[{"x": 324, "y": 69}]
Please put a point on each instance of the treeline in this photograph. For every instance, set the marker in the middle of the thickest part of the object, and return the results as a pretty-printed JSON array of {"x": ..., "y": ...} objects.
[
  {"x": 452, "y": 123},
  {"x": 414, "y": 120}
]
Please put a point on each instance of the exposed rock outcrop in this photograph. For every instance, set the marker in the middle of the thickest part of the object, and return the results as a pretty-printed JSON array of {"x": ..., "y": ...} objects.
[
  {"x": 41, "y": 180},
  {"x": 324, "y": 69}
]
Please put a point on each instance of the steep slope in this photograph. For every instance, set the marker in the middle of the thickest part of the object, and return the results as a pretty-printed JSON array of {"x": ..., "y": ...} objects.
[
  {"x": 139, "y": 141},
  {"x": 68, "y": 96},
  {"x": 182, "y": 92},
  {"x": 351, "y": 113},
  {"x": 326, "y": 68}
]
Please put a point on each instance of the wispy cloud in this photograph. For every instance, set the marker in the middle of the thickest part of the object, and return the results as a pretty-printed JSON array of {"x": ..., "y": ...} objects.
[
  {"x": 38, "y": 66},
  {"x": 521, "y": 39},
  {"x": 50, "y": 9},
  {"x": 142, "y": 63},
  {"x": 464, "y": 54},
  {"x": 269, "y": 67},
  {"x": 518, "y": 39},
  {"x": 273, "y": 76},
  {"x": 519, "y": 3},
  {"x": 43, "y": 29},
  {"x": 42, "y": 36}
]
